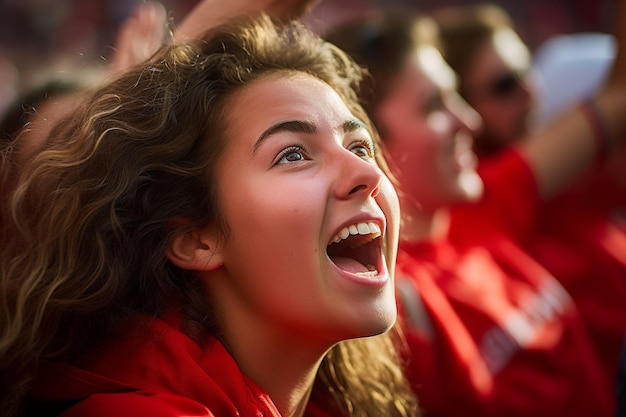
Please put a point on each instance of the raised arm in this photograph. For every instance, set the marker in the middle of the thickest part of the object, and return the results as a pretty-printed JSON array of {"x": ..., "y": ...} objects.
[
  {"x": 144, "y": 32},
  {"x": 139, "y": 36},
  {"x": 567, "y": 147},
  {"x": 209, "y": 13}
]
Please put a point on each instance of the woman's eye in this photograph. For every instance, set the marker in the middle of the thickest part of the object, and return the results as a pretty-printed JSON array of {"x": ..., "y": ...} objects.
[
  {"x": 293, "y": 156},
  {"x": 434, "y": 104},
  {"x": 363, "y": 150},
  {"x": 290, "y": 154}
]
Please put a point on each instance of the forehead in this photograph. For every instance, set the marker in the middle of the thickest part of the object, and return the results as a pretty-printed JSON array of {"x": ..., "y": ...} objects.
[
  {"x": 284, "y": 95},
  {"x": 424, "y": 73},
  {"x": 435, "y": 67},
  {"x": 282, "y": 86},
  {"x": 512, "y": 49},
  {"x": 505, "y": 51}
]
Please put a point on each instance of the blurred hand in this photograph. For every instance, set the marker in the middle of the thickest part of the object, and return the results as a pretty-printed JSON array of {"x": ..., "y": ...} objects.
[
  {"x": 139, "y": 36},
  {"x": 209, "y": 13}
]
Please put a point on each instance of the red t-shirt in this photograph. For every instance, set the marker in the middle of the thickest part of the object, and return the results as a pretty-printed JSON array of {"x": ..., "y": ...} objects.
[
  {"x": 509, "y": 205},
  {"x": 579, "y": 237},
  {"x": 155, "y": 370},
  {"x": 491, "y": 333}
]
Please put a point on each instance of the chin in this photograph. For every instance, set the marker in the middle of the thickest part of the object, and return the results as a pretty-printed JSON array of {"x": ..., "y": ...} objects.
[
  {"x": 386, "y": 316},
  {"x": 471, "y": 184},
  {"x": 377, "y": 320},
  {"x": 375, "y": 330}
]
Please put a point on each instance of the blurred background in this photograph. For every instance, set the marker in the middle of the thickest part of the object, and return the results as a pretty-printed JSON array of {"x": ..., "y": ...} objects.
[{"x": 36, "y": 35}]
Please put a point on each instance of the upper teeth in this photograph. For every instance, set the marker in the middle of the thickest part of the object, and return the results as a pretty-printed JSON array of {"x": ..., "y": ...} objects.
[{"x": 357, "y": 229}]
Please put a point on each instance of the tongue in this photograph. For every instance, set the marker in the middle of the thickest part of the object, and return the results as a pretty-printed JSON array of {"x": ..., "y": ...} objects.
[{"x": 350, "y": 265}]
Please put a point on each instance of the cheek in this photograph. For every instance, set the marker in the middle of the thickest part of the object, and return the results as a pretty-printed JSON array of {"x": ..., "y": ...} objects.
[
  {"x": 494, "y": 112},
  {"x": 273, "y": 209},
  {"x": 251, "y": 210},
  {"x": 260, "y": 235},
  {"x": 415, "y": 151},
  {"x": 502, "y": 121},
  {"x": 387, "y": 199}
]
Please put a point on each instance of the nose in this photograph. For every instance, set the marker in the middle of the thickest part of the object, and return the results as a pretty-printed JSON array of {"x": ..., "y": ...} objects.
[
  {"x": 357, "y": 176},
  {"x": 526, "y": 92},
  {"x": 465, "y": 117}
]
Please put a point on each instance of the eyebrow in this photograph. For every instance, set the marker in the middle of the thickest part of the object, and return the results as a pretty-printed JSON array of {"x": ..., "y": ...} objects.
[
  {"x": 302, "y": 126},
  {"x": 353, "y": 125}
]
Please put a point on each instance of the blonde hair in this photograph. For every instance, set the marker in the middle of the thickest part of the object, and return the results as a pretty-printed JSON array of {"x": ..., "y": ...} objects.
[{"x": 85, "y": 229}]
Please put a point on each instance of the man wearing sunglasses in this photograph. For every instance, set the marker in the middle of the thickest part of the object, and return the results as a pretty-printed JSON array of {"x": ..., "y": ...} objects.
[{"x": 493, "y": 66}]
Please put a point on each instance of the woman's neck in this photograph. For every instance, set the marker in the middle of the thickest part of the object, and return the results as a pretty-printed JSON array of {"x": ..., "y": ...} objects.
[
  {"x": 282, "y": 364},
  {"x": 288, "y": 378},
  {"x": 289, "y": 385}
]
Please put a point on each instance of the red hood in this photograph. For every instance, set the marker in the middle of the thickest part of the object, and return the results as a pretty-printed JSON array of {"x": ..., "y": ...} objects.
[{"x": 155, "y": 366}]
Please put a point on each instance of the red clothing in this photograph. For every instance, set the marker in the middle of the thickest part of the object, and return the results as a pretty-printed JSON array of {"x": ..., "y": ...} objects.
[
  {"x": 491, "y": 333},
  {"x": 509, "y": 205},
  {"x": 155, "y": 370},
  {"x": 579, "y": 237}
]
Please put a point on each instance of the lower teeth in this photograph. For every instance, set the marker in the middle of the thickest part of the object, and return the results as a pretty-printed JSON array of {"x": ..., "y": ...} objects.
[{"x": 368, "y": 273}]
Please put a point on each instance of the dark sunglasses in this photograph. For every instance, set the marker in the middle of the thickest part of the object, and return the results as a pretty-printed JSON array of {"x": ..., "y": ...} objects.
[{"x": 505, "y": 84}]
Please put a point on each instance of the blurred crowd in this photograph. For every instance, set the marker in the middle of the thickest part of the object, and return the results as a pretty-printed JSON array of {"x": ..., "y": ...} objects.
[
  {"x": 536, "y": 20},
  {"x": 36, "y": 35},
  {"x": 503, "y": 126},
  {"x": 36, "y": 32}
]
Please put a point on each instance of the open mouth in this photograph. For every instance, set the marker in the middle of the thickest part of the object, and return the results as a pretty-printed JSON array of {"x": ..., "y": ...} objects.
[{"x": 357, "y": 249}]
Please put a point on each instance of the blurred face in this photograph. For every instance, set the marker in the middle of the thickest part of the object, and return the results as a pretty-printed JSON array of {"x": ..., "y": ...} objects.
[
  {"x": 496, "y": 87},
  {"x": 313, "y": 220},
  {"x": 427, "y": 129}
]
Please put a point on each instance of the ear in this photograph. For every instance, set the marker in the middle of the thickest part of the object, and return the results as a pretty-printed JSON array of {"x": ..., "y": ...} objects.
[{"x": 196, "y": 249}]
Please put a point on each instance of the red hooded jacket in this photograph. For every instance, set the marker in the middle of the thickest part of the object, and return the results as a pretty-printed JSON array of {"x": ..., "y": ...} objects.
[{"x": 154, "y": 369}]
